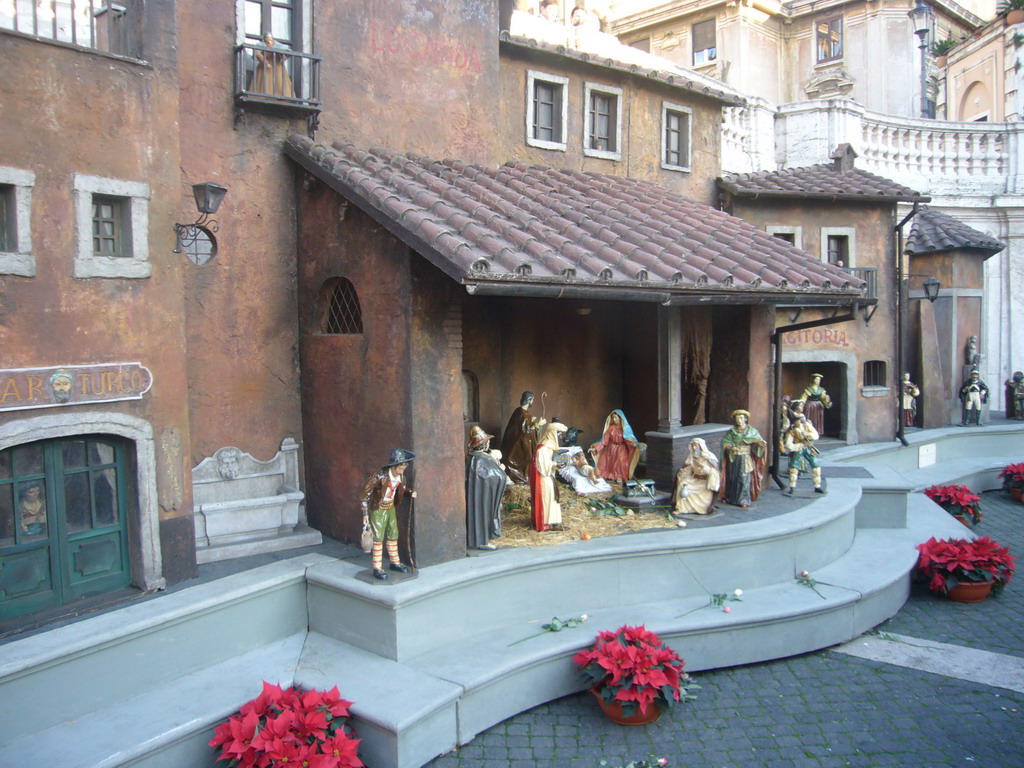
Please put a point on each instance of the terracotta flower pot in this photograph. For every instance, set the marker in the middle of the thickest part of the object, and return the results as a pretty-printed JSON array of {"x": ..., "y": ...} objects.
[
  {"x": 963, "y": 519},
  {"x": 940, "y": 61},
  {"x": 613, "y": 712},
  {"x": 1017, "y": 494},
  {"x": 1016, "y": 16},
  {"x": 970, "y": 591}
]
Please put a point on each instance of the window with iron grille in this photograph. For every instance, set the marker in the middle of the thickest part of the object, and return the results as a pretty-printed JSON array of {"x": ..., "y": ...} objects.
[
  {"x": 829, "y": 36},
  {"x": 705, "y": 49},
  {"x": 675, "y": 137},
  {"x": 109, "y": 236},
  {"x": 602, "y": 133},
  {"x": 874, "y": 373},
  {"x": 103, "y": 25},
  {"x": 112, "y": 227},
  {"x": 341, "y": 314},
  {"x": 16, "y": 187},
  {"x": 545, "y": 110}
]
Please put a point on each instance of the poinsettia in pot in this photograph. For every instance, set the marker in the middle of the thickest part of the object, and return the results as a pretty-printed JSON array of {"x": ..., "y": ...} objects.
[
  {"x": 965, "y": 569},
  {"x": 634, "y": 675},
  {"x": 1012, "y": 476},
  {"x": 286, "y": 727},
  {"x": 958, "y": 500}
]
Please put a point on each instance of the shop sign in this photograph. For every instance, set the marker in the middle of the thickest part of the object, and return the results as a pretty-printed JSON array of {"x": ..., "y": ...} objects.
[
  {"x": 53, "y": 387},
  {"x": 818, "y": 337}
]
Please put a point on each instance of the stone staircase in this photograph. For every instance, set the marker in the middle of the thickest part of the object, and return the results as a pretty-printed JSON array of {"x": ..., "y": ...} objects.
[{"x": 432, "y": 661}]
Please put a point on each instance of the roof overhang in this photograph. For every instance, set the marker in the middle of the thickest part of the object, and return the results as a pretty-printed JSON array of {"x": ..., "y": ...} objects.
[{"x": 545, "y": 233}]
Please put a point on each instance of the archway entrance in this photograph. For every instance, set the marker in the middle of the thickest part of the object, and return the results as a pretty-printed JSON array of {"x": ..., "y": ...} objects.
[{"x": 63, "y": 521}]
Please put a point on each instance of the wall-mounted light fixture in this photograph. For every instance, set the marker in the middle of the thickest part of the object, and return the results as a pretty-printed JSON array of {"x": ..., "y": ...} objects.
[
  {"x": 208, "y": 198},
  {"x": 931, "y": 287}
]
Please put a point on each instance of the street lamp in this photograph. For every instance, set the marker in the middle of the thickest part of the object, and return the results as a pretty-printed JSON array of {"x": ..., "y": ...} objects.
[{"x": 921, "y": 17}]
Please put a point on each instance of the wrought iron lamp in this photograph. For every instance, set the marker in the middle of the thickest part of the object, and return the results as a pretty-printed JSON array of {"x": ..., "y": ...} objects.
[
  {"x": 921, "y": 17},
  {"x": 931, "y": 289},
  {"x": 208, "y": 197}
]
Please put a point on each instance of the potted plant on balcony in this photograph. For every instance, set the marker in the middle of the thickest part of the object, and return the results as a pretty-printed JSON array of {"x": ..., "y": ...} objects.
[
  {"x": 958, "y": 500},
  {"x": 634, "y": 675},
  {"x": 940, "y": 50},
  {"x": 1013, "y": 10},
  {"x": 965, "y": 569},
  {"x": 283, "y": 727},
  {"x": 1012, "y": 476}
]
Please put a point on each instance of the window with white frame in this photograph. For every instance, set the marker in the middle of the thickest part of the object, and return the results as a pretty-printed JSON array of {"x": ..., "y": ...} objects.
[
  {"x": 675, "y": 136},
  {"x": 112, "y": 227},
  {"x": 792, "y": 235},
  {"x": 602, "y": 124},
  {"x": 546, "y": 110},
  {"x": 703, "y": 38},
  {"x": 839, "y": 246},
  {"x": 15, "y": 222}
]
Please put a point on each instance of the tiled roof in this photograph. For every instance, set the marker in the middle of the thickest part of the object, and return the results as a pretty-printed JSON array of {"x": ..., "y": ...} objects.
[
  {"x": 934, "y": 231},
  {"x": 624, "y": 58},
  {"x": 538, "y": 231},
  {"x": 837, "y": 180}
]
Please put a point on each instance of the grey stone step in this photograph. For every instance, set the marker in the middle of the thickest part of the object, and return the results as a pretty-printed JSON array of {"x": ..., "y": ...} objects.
[{"x": 167, "y": 726}]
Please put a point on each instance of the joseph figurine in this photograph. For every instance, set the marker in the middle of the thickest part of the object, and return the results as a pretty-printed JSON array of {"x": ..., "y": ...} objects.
[{"x": 519, "y": 442}]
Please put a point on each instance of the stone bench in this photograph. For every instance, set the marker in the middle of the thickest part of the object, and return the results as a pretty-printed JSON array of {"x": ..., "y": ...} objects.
[{"x": 244, "y": 506}]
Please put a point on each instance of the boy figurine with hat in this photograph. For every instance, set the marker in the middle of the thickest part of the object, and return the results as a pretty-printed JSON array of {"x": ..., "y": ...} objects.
[{"x": 383, "y": 492}]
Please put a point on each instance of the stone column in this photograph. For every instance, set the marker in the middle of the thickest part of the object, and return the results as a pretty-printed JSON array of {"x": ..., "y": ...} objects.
[{"x": 666, "y": 447}]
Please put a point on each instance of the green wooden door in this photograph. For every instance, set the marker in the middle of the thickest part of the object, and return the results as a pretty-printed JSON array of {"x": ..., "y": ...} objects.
[{"x": 63, "y": 534}]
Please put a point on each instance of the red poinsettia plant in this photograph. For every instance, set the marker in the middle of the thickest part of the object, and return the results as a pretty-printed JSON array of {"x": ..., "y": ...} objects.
[
  {"x": 635, "y": 667},
  {"x": 958, "y": 500},
  {"x": 1012, "y": 476},
  {"x": 289, "y": 727},
  {"x": 950, "y": 561}
]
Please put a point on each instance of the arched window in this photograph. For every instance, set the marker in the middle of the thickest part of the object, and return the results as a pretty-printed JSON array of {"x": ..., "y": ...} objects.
[{"x": 340, "y": 312}]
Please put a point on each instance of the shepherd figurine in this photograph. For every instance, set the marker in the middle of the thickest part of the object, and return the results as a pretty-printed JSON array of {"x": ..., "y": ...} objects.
[{"x": 383, "y": 493}]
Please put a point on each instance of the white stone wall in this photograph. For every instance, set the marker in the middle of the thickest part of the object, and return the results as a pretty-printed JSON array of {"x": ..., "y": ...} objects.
[{"x": 973, "y": 171}]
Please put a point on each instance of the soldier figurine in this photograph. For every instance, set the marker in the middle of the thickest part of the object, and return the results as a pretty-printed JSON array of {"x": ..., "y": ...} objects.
[
  {"x": 383, "y": 493},
  {"x": 973, "y": 394}
]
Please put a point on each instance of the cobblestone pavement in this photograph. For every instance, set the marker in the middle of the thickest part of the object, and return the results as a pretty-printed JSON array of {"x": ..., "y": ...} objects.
[{"x": 819, "y": 710}]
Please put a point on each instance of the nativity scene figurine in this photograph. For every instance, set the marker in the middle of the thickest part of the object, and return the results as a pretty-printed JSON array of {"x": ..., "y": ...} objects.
[
  {"x": 519, "y": 442},
  {"x": 743, "y": 461},
  {"x": 697, "y": 481},
  {"x": 618, "y": 452},
  {"x": 485, "y": 485}
]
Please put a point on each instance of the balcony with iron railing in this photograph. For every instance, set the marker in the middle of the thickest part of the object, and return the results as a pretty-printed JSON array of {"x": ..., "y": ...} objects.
[
  {"x": 870, "y": 277},
  {"x": 277, "y": 79},
  {"x": 101, "y": 25}
]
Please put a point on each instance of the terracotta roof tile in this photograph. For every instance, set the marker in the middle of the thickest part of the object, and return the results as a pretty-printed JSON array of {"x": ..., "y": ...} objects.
[
  {"x": 836, "y": 180},
  {"x": 932, "y": 231},
  {"x": 522, "y": 227}
]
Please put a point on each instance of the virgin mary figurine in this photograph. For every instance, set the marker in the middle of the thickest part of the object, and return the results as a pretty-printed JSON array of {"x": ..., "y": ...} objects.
[{"x": 617, "y": 454}]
